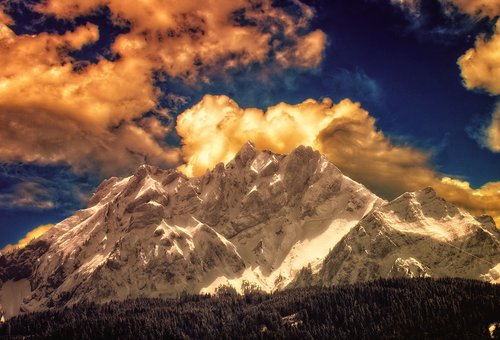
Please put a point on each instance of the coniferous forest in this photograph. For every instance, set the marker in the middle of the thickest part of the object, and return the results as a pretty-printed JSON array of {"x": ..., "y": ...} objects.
[{"x": 383, "y": 309}]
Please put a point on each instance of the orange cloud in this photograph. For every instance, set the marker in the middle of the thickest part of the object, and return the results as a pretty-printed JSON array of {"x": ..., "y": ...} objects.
[
  {"x": 186, "y": 38},
  {"x": 4, "y": 18},
  {"x": 492, "y": 132},
  {"x": 343, "y": 131},
  {"x": 480, "y": 68},
  {"x": 55, "y": 109},
  {"x": 481, "y": 65},
  {"x": 35, "y": 233},
  {"x": 488, "y": 8},
  {"x": 484, "y": 200},
  {"x": 51, "y": 112},
  {"x": 308, "y": 51}
]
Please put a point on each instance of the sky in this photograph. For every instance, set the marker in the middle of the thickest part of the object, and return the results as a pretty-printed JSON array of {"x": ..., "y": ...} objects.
[{"x": 399, "y": 94}]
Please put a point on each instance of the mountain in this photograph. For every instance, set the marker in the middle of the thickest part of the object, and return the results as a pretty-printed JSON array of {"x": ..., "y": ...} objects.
[
  {"x": 416, "y": 235},
  {"x": 261, "y": 218},
  {"x": 272, "y": 220}
]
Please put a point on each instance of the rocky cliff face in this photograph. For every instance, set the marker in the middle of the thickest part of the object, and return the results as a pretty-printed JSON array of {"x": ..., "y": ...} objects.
[{"x": 261, "y": 217}]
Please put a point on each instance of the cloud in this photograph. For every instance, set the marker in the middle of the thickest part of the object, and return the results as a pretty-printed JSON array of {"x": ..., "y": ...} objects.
[
  {"x": 484, "y": 200},
  {"x": 354, "y": 84},
  {"x": 476, "y": 8},
  {"x": 107, "y": 116},
  {"x": 479, "y": 8},
  {"x": 51, "y": 189},
  {"x": 33, "y": 234},
  {"x": 410, "y": 6},
  {"x": 307, "y": 52},
  {"x": 480, "y": 65},
  {"x": 51, "y": 113},
  {"x": 27, "y": 194},
  {"x": 213, "y": 130},
  {"x": 446, "y": 21},
  {"x": 492, "y": 132},
  {"x": 184, "y": 39},
  {"x": 4, "y": 18}
]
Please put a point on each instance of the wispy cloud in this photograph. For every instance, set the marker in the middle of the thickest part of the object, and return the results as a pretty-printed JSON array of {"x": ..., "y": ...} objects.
[
  {"x": 55, "y": 188},
  {"x": 354, "y": 84},
  {"x": 27, "y": 195},
  {"x": 442, "y": 21}
]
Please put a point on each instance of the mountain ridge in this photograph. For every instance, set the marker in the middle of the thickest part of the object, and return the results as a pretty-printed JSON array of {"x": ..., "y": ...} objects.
[{"x": 261, "y": 218}]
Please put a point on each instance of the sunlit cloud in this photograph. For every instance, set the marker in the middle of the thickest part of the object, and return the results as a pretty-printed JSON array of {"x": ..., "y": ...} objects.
[
  {"x": 484, "y": 200},
  {"x": 307, "y": 52},
  {"x": 184, "y": 39},
  {"x": 51, "y": 113},
  {"x": 33, "y": 234},
  {"x": 480, "y": 65},
  {"x": 55, "y": 109},
  {"x": 480, "y": 68},
  {"x": 344, "y": 132}
]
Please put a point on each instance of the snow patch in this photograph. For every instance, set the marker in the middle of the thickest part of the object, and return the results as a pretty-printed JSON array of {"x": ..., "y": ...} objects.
[
  {"x": 493, "y": 275},
  {"x": 254, "y": 188},
  {"x": 262, "y": 161},
  {"x": 492, "y": 328},
  {"x": 12, "y": 294},
  {"x": 91, "y": 265},
  {"x": 324, "y": 164},
  {"x": 410, "y": 268},
  {"x": 276, "y": 179},
  {"x": 149, "y": 184}
]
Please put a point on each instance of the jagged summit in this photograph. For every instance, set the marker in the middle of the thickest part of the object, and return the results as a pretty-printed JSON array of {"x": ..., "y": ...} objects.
[
  {"x": 247, "y": 152},
  {"x": 418, "y": 234},
  {"x": 413, "y": 206},
  {"x": 261, "y": 217}
]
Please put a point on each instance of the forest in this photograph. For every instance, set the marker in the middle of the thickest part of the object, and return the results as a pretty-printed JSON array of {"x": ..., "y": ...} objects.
[{"x": 382, "y": 309}]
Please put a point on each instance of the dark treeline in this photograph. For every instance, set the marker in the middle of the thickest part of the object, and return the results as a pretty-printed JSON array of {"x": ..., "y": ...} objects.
[{"x": 403, "y": 308}]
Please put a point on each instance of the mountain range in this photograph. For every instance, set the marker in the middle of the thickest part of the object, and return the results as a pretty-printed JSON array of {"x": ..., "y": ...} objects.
[{"x": 275, "y": 221}]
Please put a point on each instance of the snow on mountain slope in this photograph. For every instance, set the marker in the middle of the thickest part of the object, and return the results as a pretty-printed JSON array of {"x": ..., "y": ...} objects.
[
  {"x": 416, "y": 235},
  {"x": 274, "y": 220},
  {"x": 261, "y": 217}
]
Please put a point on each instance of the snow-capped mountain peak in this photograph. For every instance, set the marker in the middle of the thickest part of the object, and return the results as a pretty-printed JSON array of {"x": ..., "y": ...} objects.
[
  {"x": 262, "y": 217},
  {"x": 416, "y": 235}
]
